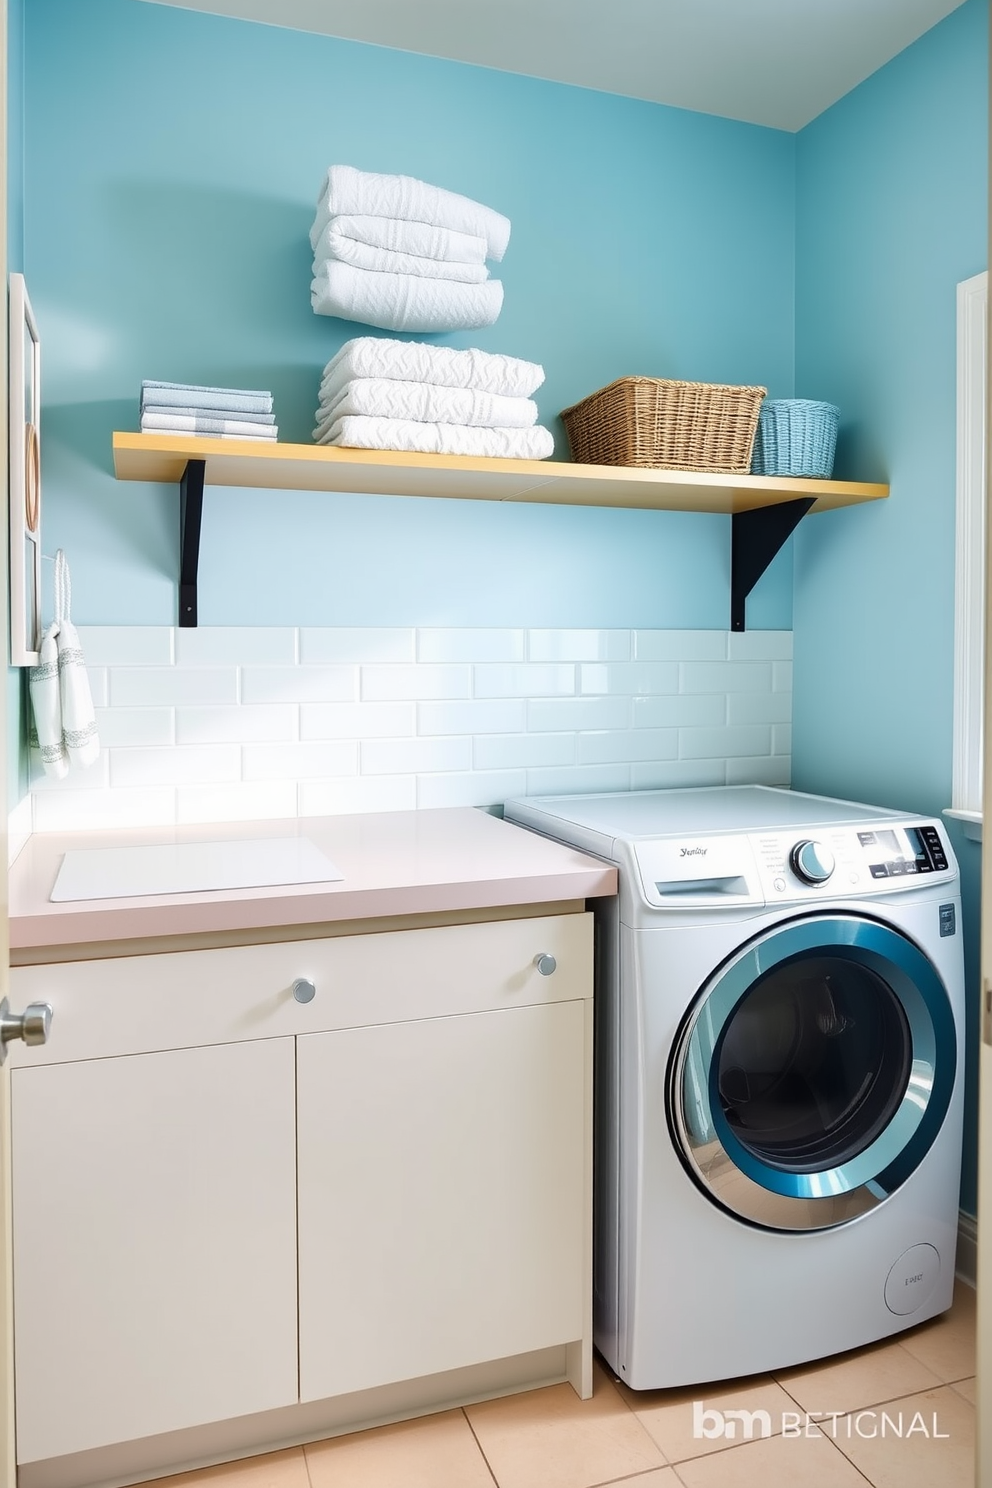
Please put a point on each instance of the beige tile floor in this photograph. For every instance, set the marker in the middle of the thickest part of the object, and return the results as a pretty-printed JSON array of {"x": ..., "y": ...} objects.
[{"x": 902, "y": 1415}]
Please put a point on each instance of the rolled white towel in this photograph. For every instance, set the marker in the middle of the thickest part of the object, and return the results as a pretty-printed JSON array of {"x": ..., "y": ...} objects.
[
  {"x": 402, "y": 302},
  {"x": 368, "y": 193},
  {"x": 417, "y": 361},
  {"x": 440, "y": 439},
  {"x": 425, "y": 402},
  {"x": 335, "y": 245},
  {"x": 421, "y": 238}
]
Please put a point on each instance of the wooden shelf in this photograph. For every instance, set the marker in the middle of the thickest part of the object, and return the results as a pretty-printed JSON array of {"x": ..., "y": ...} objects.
[
  {"x": 311, "y": 467},
  {"x": 765, "y": 509}
]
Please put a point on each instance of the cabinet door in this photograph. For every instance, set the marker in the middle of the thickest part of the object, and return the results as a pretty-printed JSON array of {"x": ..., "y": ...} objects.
[
  {"x": 442, "y": 1202},
  {"x": 154, "y": 1243}
]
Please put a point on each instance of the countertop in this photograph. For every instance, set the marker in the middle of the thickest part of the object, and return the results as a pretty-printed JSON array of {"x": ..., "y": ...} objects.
[{"x": 394, "y": 865}]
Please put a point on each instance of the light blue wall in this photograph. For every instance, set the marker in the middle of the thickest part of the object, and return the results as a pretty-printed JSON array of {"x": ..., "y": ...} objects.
[
  {"x": 891, "y": 214},
  {"x": 173, "y": 160}
]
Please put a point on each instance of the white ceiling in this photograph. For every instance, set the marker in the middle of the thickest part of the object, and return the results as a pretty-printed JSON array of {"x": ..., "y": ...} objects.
[{"x": 774, "y": 62}]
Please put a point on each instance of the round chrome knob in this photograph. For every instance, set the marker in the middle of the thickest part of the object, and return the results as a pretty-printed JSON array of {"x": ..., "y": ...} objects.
[
  {"x": 545, "y": 963},
  {"x": 304, "y": 989},
  {"x": 811, "y": 861},
  {"x": 33, "y": 1025}
]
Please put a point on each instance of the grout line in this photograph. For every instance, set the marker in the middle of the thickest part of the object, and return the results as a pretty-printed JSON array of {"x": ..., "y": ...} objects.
[{"x": 489, "y": 1466}]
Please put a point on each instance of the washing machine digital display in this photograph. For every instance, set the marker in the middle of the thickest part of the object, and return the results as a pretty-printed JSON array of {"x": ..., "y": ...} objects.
[{"x": 813, "y": 1072}]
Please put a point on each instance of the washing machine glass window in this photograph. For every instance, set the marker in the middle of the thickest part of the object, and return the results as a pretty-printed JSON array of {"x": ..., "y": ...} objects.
[{"x": 812, "y": 1073}]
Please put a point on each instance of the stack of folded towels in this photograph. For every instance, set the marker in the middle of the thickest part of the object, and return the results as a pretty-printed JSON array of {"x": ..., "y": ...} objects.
[
  {"x": 397, "y": 253},
  {"x": 221, "y": 413},
  {"x": 378, "y": 393}
]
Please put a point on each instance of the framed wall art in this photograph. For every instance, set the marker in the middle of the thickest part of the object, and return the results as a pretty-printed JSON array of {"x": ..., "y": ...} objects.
[{"x": 24, "y": 499}]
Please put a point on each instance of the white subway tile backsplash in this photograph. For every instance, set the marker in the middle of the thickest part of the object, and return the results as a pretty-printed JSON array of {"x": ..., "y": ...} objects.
[
  {"x": 631, "y": 678},
  {"x": 307, "y": 761},
  {"x": 190, "y": 763},
  {"x": 577, "y": 779},
  {"x": 415, "y": 683},
  {"x": 471, "y": 646},
  {"x": 782, "y": 676},
  {"x": 578, "y": 645},
  {"x": 677, "y": 775},
  {"x": 474, "y": 716},
  {"x": 759, "y": 645},
  {"x": 357, "y": 644},
  {"x": 759, "y": 707},
  {"x": 240, "y": 722},
  {"x": 526, "y": 680},
  {"x": 680, "y": 710},
  {"x": 357, "y": 794},
  {"x": 252, "y": 801},
  {"x": 135, "y": 726},
  {"x": 415, "y": 756},
  {"x": 680, "y": 645},
  {"x": 249, "y": 722},
  {"x": 619, "y": 746},
  {"x": 475, "y": 788},
  {"x": 725, "y": 676},
  {"x": 782, "y": 739},
  {"x": 127, "y": 645},
  {"x": 552, "y": 715},
  {"x": 775, "y": 770},
  {"x": 744, "y": 739},
  {"x": 239, "y": 645},
  {"x": 520, "y": 751},
  {"x": 299, "y": 684},
  {"x": 71, "y": 810},
  {"x": 358, "y": 720},
  {"x": 144, "y": 687}
]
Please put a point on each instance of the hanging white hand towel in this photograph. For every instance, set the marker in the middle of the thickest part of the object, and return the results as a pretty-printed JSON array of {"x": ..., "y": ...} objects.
[
  {"x": 46, "y": 706},
  {"x": 79, "y": 733}
]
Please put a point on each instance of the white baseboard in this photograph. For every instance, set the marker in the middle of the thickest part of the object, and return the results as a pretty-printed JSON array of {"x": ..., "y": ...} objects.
[{"x": 966, "y": 1265}]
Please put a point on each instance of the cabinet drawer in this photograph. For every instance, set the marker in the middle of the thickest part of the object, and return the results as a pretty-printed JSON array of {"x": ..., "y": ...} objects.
[{"x": 136, "y": 1004}]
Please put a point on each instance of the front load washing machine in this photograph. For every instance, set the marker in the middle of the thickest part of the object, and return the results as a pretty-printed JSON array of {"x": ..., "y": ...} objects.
[{"x": 779, "y": 1053}]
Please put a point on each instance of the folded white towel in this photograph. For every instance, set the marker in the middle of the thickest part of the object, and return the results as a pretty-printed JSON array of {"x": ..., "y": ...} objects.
[
  {"x": 417, "y": 361},
  {"x": 385, "y": 261},
  {"x": 368, "y": 193},
  {"x": 219, "y": 415},
  {"x": 65, "y": 723},
  {"x": 440, "y": 439},
  {"x": 421, "y": 238},
  {"x": 46, "y": 707},
  {"x": 188, "y": 395},
  {"x": 193, "y": 423},
  {"x": 427, "y": 403},
  {"x": 402, "y": 302}
]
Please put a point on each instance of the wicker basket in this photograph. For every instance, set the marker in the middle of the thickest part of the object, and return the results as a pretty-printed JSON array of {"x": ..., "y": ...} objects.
[
  {"x": 796, "y": 436},
  {"x": 665, "y": 425}
]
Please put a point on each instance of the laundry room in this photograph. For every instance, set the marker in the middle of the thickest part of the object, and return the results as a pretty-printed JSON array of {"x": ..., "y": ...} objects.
[{"x": 370, "y": 654}]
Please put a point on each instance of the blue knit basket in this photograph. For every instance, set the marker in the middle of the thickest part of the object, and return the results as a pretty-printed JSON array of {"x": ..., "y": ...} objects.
[{"x": 795, "y": 436}]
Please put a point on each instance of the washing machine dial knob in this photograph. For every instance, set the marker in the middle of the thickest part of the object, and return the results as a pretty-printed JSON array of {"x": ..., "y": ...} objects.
[{"x": 811, "y": 861}]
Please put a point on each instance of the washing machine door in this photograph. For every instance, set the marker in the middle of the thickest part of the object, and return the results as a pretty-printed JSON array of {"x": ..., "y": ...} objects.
[{"x": 813, "y": 1072}]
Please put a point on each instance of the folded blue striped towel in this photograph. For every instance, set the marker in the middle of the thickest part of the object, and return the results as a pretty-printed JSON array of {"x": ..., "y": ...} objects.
[{"x": 185, "y": 395}]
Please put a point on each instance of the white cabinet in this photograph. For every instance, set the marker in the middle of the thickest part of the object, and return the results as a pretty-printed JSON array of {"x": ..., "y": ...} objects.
[
  {"x": 441, "y": 1172},
  {"x": 154, "y": 1243},
  {"x": 229, "y": 1202}
]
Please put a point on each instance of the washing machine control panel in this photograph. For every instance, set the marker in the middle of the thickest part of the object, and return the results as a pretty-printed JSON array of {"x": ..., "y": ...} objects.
[{"x": 848, "y": 858}]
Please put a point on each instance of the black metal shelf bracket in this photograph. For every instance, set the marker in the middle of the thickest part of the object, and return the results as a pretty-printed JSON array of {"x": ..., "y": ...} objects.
[
  {"x": 190, "y": 515},
  {"x": 756, "y": 538}
]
